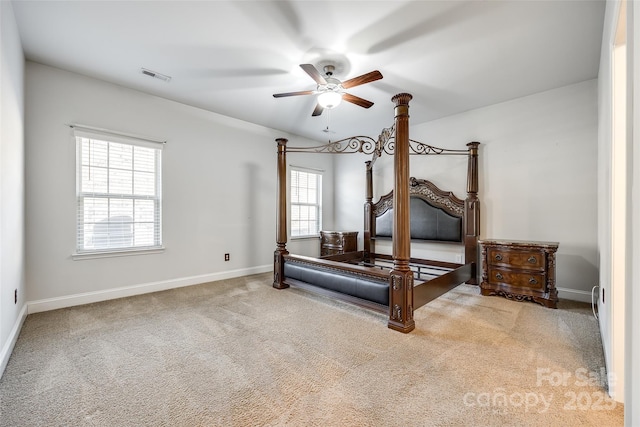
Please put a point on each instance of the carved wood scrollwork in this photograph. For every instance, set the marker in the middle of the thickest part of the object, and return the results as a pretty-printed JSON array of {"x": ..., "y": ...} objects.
[
  {"x": 385, "y": 203},
  {"x": 515, "y": 297},
  {"x": 397, "y": 283},
  {"x": 380, "y": 277},
  {"x": 397, "y": 313},
  {"x": 427, "y": 191},
  {"x": 278, "y": 268},
  {"x": 443, "y": 201}
]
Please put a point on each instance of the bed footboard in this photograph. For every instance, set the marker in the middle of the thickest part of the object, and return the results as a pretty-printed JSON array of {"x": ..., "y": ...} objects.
[{"x": 356, "y": 282}]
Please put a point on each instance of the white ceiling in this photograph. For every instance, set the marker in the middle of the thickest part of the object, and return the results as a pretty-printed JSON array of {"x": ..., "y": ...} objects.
[{"x": 229, "y": 57}]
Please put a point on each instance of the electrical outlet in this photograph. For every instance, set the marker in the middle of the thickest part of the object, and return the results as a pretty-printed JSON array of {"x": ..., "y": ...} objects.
[
  {"x": 226, "y": 257},
  {"x": 458, "y": 258},
  {"x": 15, "y": 296}
]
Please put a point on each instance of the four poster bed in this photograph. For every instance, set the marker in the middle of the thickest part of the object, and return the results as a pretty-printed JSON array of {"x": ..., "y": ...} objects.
[{"x": 416, "y": 210}]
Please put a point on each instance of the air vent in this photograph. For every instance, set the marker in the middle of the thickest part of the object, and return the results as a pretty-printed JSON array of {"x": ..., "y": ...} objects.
[{"x": 155, "y": 75}]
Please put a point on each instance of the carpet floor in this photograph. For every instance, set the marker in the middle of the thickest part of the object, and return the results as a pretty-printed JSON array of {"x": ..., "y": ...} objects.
[{"x": 240, "y": 353}]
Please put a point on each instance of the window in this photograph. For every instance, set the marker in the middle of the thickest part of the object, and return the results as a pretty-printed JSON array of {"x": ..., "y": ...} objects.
[
  {"x": 306, "y": 206},
  {"x": 118, "y": 189}
]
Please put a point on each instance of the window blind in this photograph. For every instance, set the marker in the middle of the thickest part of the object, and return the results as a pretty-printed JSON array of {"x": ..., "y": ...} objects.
[{"x": 119, "y": 188}]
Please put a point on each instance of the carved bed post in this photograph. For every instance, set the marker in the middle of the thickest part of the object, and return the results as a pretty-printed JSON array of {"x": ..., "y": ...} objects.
[
  {"x": 472, "y": 212},
  {"x": 281, "y": 212},
  {"x": 401, "y": 278},
  {"x": 368, "y": 214}
]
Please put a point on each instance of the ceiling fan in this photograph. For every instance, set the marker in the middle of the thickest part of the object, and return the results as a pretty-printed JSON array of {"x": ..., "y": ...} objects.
[{"x": 330, "y": 90}]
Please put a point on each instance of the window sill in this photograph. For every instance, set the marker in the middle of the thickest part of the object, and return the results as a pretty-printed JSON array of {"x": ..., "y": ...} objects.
[
  {"x": 313, "y": 236},
  {"x": 115, "y": 253}
]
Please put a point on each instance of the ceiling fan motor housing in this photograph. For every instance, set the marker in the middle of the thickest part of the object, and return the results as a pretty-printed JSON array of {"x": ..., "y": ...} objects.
[{"x": 333, "y": 85}]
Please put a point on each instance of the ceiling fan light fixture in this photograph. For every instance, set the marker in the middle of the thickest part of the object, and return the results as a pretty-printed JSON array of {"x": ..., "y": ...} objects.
[{"x": 329, "y": 99}]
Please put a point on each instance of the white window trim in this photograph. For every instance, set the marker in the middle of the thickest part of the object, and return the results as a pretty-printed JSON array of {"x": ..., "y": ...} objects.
[
  {"x": 116, "y": 253},
  {"x": 123, "y": 138},
  {"x": 319, "y": 172}
]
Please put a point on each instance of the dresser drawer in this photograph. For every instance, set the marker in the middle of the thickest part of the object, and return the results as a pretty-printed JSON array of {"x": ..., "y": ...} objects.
[
  {"x": 334, "y": 239},
  {"x": 517, "y": 279},
  {"x": 530, "y": 260},
  {"x": 330, "y": 251}
]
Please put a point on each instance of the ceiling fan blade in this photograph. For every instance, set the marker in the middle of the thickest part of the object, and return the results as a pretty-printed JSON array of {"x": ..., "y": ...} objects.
[
  {"x": 357, "y": 100},
  {"x": 360, "y": 80},
  {"x": 314, "y": 73},
  {"x": 303, "y": 92},
  {"x": 318, "y": 110}
]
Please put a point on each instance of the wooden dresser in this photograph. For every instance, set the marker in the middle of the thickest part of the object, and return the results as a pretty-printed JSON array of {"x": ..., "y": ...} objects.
[
  {"x": 520, "y": 270},
  {"x": 338, "y": 242}
]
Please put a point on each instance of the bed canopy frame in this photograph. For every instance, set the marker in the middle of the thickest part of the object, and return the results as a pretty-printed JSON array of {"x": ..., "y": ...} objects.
[{"x": 393, "y": 141}]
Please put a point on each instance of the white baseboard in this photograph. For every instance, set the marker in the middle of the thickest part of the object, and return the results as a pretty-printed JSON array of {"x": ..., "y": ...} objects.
[
  {"x": 574, "y": 295},
  {"x": 127, "y": 291},
  {"x": 5, "y": 354}
]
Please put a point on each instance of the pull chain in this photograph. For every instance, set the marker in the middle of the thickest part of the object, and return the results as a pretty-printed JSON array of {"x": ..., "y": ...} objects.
[{"x": 326, "y": 130}]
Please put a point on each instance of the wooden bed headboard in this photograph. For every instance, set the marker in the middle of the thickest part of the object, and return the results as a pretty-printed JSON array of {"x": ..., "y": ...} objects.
[
  {"x": 436, "y": 215},
  {"x": 429, "y": 203}
]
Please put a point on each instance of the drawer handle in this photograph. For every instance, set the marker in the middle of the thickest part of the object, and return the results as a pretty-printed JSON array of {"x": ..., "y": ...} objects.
[
  {"x": 532, "y": 260},
  {"x": 498, "y": 257},
  {"x": 533, "y": 281},
  {"x": 499, "y": 276}
]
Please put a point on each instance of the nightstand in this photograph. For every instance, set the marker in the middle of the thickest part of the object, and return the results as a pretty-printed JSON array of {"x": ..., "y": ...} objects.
[
  {"x": 520, "y": 270},
  {"x": 338, "y": 242}
]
